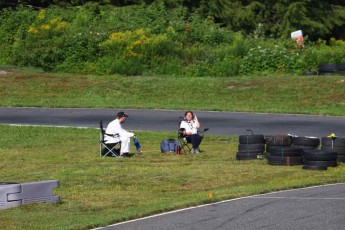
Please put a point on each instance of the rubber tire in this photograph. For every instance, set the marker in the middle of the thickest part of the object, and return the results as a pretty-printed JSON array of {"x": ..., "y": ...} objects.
[
  {"x": 327, "y": 68},
  {"x": 251, "y": 139},
  {"x": 341, "y": 66},
  {"x": 285, "y": 151},
  {"x": 320, "y": 155},
  {"x": 341, "y": 158},
  {"x": 305, "y": 148},
  {"x": 277, "y": 160},
  {"x": 246, "y": 155},
  {"x": 306, "y": 141},
  {"x": 314, "y": 167},
  {"x": 326, "y": 73},
  {"x": 251, "y": 147},
  {"x": 309, "y": 73},
  {"x": 338, "y": 142},
  {"x": 325, "y": 163},
  {"x": 268, "y": 147},
  {"x": 281, "y": 140}
]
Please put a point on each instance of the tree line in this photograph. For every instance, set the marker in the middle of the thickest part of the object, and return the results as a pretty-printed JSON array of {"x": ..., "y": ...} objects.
[{"x": 319, "y": 19}]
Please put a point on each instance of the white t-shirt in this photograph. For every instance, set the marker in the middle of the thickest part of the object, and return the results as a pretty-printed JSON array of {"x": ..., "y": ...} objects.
[
  {"x": 189, "y": 126},
  {"x": 115, "y": 127}
]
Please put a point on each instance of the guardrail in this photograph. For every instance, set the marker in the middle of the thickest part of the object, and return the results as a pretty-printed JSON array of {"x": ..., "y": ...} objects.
[{"x": 17, "y": 194}]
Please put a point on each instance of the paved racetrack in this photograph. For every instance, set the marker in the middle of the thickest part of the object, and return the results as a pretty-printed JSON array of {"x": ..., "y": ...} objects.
[
  {"x": 221, "y": 123},
  {"x": 314, "y": 208}
]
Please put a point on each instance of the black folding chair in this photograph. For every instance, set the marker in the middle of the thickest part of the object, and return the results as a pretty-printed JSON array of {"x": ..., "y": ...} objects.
[{"x": 111, "y": 150}]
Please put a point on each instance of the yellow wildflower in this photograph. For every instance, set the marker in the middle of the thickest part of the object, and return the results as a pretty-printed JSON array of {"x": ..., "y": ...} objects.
[
  {"x": 42, "y": 14},
  {"x": 137, "y": 43},
  {"x": 33, "y": 30},
  {"x": 45, "y": 26},
  {"x": 54, "y": 21},
  {"x": 61, "y": 25}
]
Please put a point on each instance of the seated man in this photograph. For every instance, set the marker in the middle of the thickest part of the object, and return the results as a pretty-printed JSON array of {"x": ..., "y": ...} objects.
[
  {"x": 189, "y": 128},
  {"x": 115, "y": 133}
]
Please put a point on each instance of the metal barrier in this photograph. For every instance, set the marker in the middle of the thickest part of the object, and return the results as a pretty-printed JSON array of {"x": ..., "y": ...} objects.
[{"x": 16, "y": 194}]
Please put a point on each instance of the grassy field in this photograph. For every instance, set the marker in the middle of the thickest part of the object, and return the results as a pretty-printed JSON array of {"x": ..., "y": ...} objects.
[
  {"x": 96, "y": 192},
  {"x": 324, "y": 95}
]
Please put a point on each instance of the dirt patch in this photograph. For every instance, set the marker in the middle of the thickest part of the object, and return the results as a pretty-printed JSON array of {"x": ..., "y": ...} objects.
[{"x": 3, "y": 72}]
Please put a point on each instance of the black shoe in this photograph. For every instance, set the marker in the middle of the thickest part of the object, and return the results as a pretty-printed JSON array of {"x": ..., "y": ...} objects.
[{"x": 125, "y": 155}]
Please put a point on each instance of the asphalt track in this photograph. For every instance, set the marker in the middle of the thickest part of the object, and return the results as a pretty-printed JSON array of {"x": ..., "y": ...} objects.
[
  {"x": 220, "y": 123},
  {"x": 314, "y": 208}
]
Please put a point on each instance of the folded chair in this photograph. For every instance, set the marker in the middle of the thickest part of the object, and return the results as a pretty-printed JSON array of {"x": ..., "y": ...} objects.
[
  {"x": 111, "y": 150},
  {"x": 184, "y": 144}
]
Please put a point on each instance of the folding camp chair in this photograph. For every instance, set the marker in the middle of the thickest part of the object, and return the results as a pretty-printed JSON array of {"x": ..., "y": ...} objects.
[
  {"x": 113, "y": 149},
  {"x": 184, "y": 143}
]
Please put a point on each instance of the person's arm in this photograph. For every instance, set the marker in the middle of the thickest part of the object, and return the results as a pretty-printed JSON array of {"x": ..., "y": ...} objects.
[
  {"x": 124, "y": 132},
  {"x": 121, "y": 131},
  {"x": 196, "y": 121}
]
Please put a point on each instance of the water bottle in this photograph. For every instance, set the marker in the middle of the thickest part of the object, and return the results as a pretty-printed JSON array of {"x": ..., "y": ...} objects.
[
  {"x": 136, "y": 144},
  {"x": 178, "y": 150}
]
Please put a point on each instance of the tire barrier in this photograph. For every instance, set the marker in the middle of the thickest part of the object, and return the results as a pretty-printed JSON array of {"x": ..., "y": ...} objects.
[
  {"x": 336, "y": 145},
  {"x": 284, "y": 155},
  {"x": 15, "y": 194},
  {"x": 311, "y": 152},
  {"x": 284, "y": 160},
  {"x": 285, "y": 151},
  {"x": 320, "y": 158},
  {"x": 250, "y": 147}
]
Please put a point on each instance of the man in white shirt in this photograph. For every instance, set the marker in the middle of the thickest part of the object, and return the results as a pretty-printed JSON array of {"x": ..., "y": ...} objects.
[{"x": 115, "y": 133}]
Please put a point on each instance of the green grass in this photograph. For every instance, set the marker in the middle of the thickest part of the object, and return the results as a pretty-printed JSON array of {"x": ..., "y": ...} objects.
[
  {"x": 96, "y": 192},
  {"x": 324, "y": 95}
]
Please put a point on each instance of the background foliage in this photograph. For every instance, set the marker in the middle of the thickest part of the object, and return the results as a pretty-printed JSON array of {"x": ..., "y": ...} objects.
[{"x": 189, "y": 38}]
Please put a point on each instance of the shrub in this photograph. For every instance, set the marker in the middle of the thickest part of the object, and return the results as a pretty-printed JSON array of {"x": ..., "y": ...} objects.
[{"x": 266, "y": 60}]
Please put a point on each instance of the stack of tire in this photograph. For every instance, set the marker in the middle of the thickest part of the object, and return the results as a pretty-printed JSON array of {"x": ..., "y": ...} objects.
[
  {"x": 250, "y": 147},
  {"x": 319, "y": 159},
  {"x": 335, "y": 145},
  {"x": 280, "y": 151}
]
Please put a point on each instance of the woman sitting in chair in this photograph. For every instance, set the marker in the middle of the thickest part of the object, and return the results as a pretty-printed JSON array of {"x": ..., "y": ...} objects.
[{"x": 189, "y": 126}]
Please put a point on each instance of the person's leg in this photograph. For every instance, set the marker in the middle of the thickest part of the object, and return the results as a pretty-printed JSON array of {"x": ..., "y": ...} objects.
[
  {"x": 195, "y": 139},
  {"x": 125, "y": 144}
]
